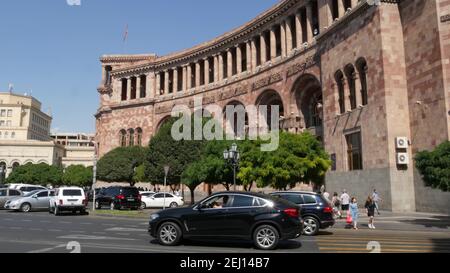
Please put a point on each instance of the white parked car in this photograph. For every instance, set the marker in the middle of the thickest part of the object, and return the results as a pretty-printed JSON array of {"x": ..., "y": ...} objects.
[
  {"x": 157, "y": 201},
  {"x": 68, "y": 199},
  {"x": 26, "y": 188}
]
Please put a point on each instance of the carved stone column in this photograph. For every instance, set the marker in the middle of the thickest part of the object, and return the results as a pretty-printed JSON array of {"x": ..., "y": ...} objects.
[
  {"x": 288, "y": 36},
  {"x": 249, "y": 55},
  {"x": 298, "y": 28},
  {"x": 238, "y": 59},
  {"x": 151, "y": 85},
  {"x": 185, "y": 86},
  {"x": 254, "y": 55},
  {"x": 229, "y": 63},
  {"x": 273, "y": 43},
  {"x": 216, "y": 68},
  {"x": 206, "y": 71},
  {"x": 175, "y": 79},
  {"x": 262, "y": 45},
  {"x": 166, "y": 82},
  {"x": 197, "y": 74},
  {"x": 158, "y": 84},
  {"x": 283, "y": 39}
]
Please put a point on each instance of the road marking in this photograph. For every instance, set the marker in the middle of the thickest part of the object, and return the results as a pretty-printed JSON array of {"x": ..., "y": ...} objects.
[
  {"x": 36, "y": 229},
  {"x": 108, "y": 225},
  {"x": 86, "y": 223},
  {"x": 26, "y": 220},
  {"x": 46, "y": 249},
  {"x": 99, "y": 232},
  {"x": 16, "y": 228},
  {"x": 126, "y": 229},
  {"x": 123, "y": 234},
  {"x": 54, "y": 230},
  {"x": 77, "y": 231},
  {"x": 64, "y": 222},
  {"x": 88, "y": 237}
]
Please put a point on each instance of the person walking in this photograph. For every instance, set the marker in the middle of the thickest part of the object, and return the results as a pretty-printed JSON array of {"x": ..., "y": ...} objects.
[
  {"x": 376, "y": 198},
  {"x": 345, "y": 202},
  {"x": 370, "y": 207},
  {"x": 335, "y": 201},
  {"x": 354, "y": 213}
]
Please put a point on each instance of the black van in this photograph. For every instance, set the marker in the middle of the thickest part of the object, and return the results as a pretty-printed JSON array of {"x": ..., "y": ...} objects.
[{"x": 118, "y": 198}]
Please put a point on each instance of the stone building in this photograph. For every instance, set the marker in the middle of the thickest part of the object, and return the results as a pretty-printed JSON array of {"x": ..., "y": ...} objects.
[
  {"x": 25, "y": 137},
  {"x": 79, "y": 148},
  {"x": 371, "y": 79},
  {"x": 25, "y": 133}
]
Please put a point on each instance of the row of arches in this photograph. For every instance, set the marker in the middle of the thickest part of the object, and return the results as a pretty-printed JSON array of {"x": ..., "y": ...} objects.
[
  {"x": 306, "y": 107},
  {"x": 130, "y": 137},
  {"x": 352, "y": 85}
]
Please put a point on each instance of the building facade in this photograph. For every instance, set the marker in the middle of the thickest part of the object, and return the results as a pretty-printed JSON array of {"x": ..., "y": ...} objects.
[
  {"x": 25, "y": 134},
  {"x": 79, "y": 148},
  {"x": 371, "y": 80}
]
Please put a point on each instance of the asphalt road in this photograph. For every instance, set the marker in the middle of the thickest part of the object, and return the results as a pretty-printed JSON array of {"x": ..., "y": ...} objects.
[{"x": 40, "y": 232}]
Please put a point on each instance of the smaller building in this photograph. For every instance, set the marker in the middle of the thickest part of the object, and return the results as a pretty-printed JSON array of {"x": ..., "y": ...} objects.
[
  {"x": 79, "y": 148},
  {"x": 25, "y": 134}
]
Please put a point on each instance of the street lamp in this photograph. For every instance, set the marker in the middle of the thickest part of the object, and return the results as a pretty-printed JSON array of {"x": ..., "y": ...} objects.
[
  {"x": 166, "y": 172},
  {"x": 94, "y": 178},
  {"x": 232, "y": 156}
]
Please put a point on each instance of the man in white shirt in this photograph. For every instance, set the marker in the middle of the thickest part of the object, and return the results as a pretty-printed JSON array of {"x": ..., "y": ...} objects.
[
  {"x": 345, "y": 201},
  {"x": 376, "y": 198}
]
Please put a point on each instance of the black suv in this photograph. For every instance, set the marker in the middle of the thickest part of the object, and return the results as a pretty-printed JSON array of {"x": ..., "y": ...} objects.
[
  {"x": 248, "y": 216},
  {"x": 118, "y": 198},
  {"x": 316, "y": 211}
]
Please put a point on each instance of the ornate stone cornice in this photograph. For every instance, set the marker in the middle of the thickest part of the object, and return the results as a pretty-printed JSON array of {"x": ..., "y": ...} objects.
[{"x": 229, "y": 39}]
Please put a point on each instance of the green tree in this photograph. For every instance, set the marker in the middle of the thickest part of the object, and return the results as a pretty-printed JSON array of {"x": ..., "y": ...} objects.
[
  {"x": 177, "y": 154},
  {"x": 299, "y": 158},
  {"x": 36, "y": 174},
  {"x": 78, "y": 175},
  {"x": 120, "y": 164},
  {"x": 434, "y": 166}
]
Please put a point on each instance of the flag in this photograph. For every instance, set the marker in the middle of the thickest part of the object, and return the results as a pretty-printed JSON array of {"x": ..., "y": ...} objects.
[
  {"x": 10, "y": 88},
  {"x": 125, "y": 35}
]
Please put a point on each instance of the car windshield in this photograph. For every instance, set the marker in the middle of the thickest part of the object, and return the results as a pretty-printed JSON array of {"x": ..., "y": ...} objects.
[
  {"x": 72, "y": 193},
  {"x": 129, "y": 191},
  {"x": 31, "y": 193}
]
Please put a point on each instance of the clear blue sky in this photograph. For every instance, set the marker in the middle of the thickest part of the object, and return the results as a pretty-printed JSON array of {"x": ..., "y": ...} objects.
[{"x": 53, "y": 49}]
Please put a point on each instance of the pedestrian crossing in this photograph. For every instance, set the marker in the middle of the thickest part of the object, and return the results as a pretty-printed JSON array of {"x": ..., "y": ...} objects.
[{"x": 369, "y": 242}]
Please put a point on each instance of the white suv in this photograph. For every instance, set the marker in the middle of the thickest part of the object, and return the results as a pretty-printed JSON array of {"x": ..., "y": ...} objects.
[{"x": 68, "y": 199}]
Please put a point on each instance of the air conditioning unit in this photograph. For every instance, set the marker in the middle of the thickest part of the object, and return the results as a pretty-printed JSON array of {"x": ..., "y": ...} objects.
[
  {"x": 401, "y": 143},
  {"x": 402, "y": 159}
]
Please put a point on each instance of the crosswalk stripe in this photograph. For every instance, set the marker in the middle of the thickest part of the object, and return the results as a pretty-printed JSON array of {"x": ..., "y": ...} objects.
[
  {"x": 382, "y": 249},
  {"x": 391, "y": 245},
  {"x": 377, "y": 239}
]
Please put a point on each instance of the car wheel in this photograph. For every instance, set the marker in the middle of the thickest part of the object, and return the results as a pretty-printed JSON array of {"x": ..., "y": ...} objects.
[
  {"x": 311, "y": 226},
  {"x": 143, "y": 205},
  {"x": 112, "y": 206},
  {"x": 266, "y": 237},
  {"x": 97, "y": 205},
  {"x": 25, "y": 207},
  {"x": 173, "y": 205},
  {"x": 56, "y": 211},
  {"x": 169, "y": 234}
]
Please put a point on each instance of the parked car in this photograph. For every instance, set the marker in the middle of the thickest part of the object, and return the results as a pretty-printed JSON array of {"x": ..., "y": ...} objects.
[
  {"x": 68, "y": 199},
  {"x": 156, "y": 200},
  {"x": 90, "y": 194},
  {"x": 264, "y": 219},
  {"x": 118, "y": 198},
  {"x": 316, "y": 211},
  {"x": 32, "y": 201},
  {"x": 26, "y": 188},
  {"x": 8, "y": 194}
]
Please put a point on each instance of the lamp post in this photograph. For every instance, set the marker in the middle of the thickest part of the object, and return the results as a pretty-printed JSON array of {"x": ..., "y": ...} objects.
[
  {"x": 233, "y": 156},
  {"x": 94, "y": 177},
  {"x": 166, "y": 172}
]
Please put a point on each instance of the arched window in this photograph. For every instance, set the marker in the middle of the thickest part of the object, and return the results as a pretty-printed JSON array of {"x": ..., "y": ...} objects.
[
  {"x": 351, "y": 75},
  {"x": 15, "y": 165},
  {"x": 361, "y": 66},
  {"x": 131, "y": 137},
  {"x": 341, "y": 91},
  {"x": 123, "y": 138},
  {"x": 139, "y": 136}
]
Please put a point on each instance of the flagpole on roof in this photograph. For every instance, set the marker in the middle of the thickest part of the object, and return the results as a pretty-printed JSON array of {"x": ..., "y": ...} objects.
[{"x": 125, "y": 39}]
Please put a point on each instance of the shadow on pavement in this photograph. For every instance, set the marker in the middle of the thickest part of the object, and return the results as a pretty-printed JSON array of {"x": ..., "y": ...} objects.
[
  {"x": 437, "y": 222},
  {"x": 283, "y": 245},
  {"x": 441, "y": 245}
]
